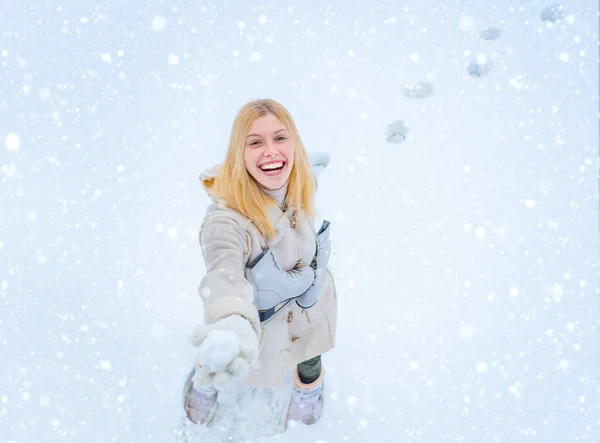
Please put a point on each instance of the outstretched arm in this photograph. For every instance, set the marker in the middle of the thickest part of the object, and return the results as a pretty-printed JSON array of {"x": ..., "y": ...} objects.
[
  {"x": 229, "y": 341},
  {"x": 225, "y": 289}
]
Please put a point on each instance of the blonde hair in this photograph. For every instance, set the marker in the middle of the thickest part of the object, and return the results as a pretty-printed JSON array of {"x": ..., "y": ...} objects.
[{"x": 237, "y": 189}]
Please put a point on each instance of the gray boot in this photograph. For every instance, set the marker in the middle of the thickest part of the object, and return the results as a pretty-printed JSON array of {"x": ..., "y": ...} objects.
[
  {"x": 306, "y": 403},
  {"x": 200, "y": 403}
]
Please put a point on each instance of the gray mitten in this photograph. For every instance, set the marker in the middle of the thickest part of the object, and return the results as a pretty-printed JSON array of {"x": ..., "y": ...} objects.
[
  {"x": 319, "y": 265},
  {"x": 272, "y": 285}
]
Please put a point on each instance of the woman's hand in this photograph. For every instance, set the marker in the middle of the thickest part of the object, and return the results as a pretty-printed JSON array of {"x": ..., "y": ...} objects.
[{"x": 227, "y": 348}]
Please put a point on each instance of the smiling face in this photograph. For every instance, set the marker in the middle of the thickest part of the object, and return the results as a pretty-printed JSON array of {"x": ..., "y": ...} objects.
[{"x": 269, "y": 152}]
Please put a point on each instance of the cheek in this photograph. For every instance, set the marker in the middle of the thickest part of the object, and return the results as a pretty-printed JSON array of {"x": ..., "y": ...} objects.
[
  {"x": 288, "y": 151},
  {"x": 249, "y": 159}
]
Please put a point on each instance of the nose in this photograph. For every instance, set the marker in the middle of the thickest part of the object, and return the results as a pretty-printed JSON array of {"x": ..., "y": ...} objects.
[{"x": 270, "y": 149}]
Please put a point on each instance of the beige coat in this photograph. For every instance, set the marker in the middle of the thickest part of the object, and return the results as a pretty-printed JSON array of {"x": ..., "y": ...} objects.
[{"x": 228, "y": 241}]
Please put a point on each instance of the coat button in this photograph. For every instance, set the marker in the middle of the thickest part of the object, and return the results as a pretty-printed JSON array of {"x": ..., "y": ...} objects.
[
  {"x": 290, "y": 317},
  {"x": 295, "y": 338}
]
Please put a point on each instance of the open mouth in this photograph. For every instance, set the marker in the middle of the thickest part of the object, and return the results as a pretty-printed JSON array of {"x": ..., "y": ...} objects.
[{"x": 273, "y": 168}]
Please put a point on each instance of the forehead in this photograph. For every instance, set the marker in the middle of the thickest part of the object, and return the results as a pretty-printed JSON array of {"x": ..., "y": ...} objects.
[{"x": 266, "y": 124}]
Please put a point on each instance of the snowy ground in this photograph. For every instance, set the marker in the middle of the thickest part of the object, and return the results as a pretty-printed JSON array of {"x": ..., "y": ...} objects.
[{"x": 466, "y": 237}]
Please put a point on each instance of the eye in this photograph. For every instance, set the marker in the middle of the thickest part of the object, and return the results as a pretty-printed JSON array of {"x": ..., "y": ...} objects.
[
  {"x": 281, "y": 137},
  {"x": 254, "y": 143}
]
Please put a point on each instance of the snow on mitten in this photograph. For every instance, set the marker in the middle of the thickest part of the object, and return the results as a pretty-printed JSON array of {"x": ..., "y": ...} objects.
[{"x": 227, "y": 348}]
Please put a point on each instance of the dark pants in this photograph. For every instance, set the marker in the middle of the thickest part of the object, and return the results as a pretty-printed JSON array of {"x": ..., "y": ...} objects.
[{"x": 309, "y": 370}]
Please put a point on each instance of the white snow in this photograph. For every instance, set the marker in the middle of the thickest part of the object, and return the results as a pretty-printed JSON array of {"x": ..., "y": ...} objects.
[
  {"x": 105, "y": 364},
  {"x": 466, "y": 23},
  {"x": 158, "y": 23},
  {"x": 465, "y": 238},
  {"x": 13, "y": 142},
  {"x": 481, "y": 367}
]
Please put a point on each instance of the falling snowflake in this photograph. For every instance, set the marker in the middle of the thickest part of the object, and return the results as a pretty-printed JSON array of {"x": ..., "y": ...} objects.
[
  {"x": 158, "y": 23},
  {"x": 13, "y": 142}
]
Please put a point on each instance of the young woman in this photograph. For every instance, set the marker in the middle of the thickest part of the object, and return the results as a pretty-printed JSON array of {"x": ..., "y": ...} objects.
[{"x": 269, "y": 300}]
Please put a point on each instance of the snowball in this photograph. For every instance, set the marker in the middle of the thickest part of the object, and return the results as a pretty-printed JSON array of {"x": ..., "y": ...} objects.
[
  {"x": 219, "y": 349},
  {"x": 414, "y": 58},
  {"x": 255, "y": 57},
  {"x": 481, "y": 367},
  {"x": 13, "y": 142},
  {"x": 172, "y": 233},
  {"x": 530, "y": 203},
  {"x": 173, "y": 59},
  {"x": 514, "y": 292}
]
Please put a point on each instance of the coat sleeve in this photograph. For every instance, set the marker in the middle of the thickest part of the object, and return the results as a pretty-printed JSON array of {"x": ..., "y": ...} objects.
[{"x": 224, "y": 288}]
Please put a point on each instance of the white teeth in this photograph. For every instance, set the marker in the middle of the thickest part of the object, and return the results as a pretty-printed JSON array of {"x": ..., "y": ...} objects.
[{"x": 271, "y": 166}]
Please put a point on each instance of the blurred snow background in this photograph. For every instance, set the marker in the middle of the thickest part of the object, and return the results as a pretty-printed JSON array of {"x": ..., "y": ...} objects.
[{"x": 463, "y": 192}]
